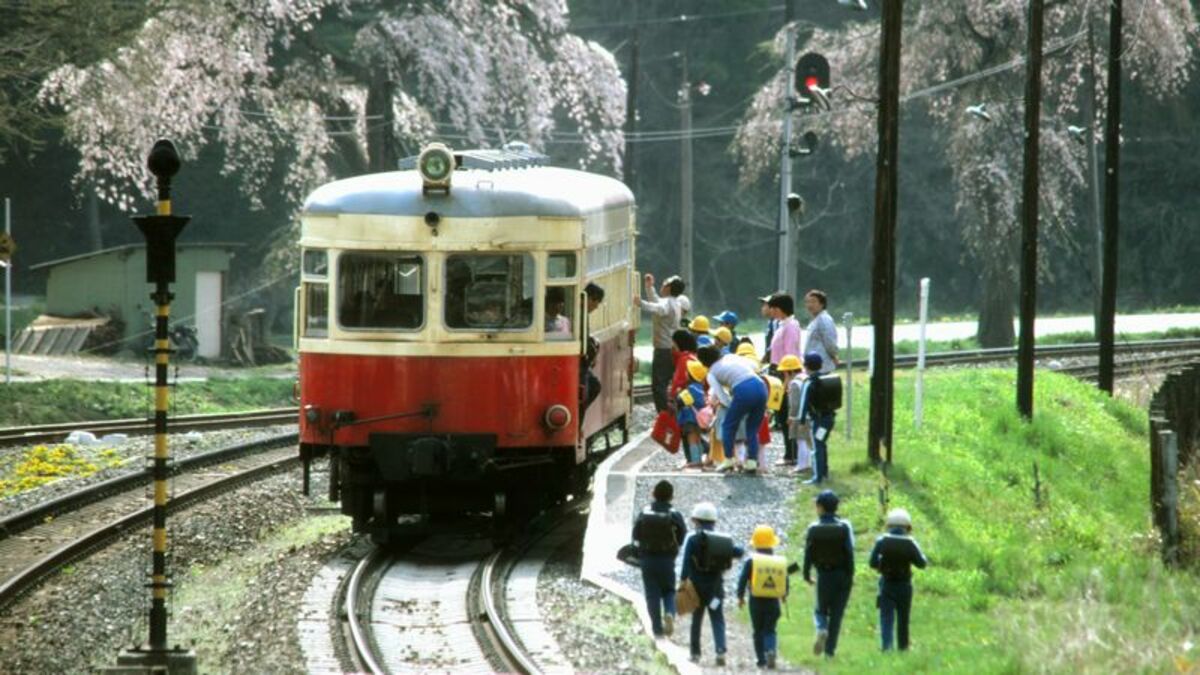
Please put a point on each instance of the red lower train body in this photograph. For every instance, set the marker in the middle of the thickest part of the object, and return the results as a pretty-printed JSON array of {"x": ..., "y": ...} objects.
[{"x": 422, "y": 435}]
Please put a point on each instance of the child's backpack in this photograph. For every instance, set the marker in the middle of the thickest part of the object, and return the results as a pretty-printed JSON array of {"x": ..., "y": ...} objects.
[{"x": 768, "y": 576}]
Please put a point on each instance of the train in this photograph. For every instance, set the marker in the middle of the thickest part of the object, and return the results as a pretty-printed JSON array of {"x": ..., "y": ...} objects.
[{"x": 444, "y": 335}]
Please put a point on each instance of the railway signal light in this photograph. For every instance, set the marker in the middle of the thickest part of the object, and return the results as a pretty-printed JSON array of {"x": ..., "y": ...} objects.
[{"x": 812, "y": 79}]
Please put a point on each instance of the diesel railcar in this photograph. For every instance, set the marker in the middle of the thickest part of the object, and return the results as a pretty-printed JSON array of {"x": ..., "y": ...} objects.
[{"x": 444, "y": 334}]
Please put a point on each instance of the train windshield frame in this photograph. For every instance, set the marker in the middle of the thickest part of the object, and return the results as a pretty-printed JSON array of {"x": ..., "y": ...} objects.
[
  {"x": 381, "y": 291},
  {"x": 489, "y": 292}
]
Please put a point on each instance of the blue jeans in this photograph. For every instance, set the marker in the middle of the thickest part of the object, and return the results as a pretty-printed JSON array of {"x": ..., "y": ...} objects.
[
  {"x": 658, "y": 583},
  {"x": 895, "y": 607},
  {"x": 764, "y": 614},
  {"x": 708, "y": 589},
  {"x": 821, "y": 447},
  {"x": 749, "y": 405},
  {"x": 833, "y": 592}
]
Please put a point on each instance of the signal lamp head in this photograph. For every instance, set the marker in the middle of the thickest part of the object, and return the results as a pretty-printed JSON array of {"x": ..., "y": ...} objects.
[{"x": 436, "y": 164}]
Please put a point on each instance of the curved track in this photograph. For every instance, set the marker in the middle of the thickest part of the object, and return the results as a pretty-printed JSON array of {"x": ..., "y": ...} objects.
[
  {"x": 448, "y": 604},
  {"x": 36, "y": 543}
]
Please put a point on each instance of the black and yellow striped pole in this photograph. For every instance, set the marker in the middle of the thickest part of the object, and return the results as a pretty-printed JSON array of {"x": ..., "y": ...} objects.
[{"x": 160, "y": 231}]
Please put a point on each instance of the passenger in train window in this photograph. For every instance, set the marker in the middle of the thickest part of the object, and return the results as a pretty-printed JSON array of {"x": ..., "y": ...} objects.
[
  {"x": 558, "y": 327},
  {"x": 591, "y": 383}
]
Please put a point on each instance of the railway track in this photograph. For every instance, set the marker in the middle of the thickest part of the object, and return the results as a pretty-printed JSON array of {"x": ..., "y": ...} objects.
[
  {"x": 53, "y": 433},
  {"x": 1165, "y": 354},
  {"x": 450, "y": 604},
  {"x": 38, "y": 542}
]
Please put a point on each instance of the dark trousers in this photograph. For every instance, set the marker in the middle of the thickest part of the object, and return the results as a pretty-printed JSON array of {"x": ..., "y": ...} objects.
[
  {"x": 833, "y": 592},
  {"x": 764, "y": 615},
  {"x": 658, "y": 584},
  {"x": 895, "y": 607},
  {"x": 789, "y": 448},
  {"x": 662, "y": 369},
  {"x": 821, "y": 447},
  {"x": 708, "y": 589}
]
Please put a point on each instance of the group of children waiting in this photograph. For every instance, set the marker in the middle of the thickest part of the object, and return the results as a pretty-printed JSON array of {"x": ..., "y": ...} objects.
[
  {"x": 723, "y": 398},
  {"x": 659, "y": 531}
]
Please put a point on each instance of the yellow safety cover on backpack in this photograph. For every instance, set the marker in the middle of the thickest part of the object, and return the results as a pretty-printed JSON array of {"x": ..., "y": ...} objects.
[
  {"x": 686, "y": 398},
  {"x": 774, "y": 393},
  {"x": 768, "y": 576}
]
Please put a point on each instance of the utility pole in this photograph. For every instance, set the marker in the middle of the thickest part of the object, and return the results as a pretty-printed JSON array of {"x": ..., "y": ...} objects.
[
  {"x": 785, "y": 169},
  {"x": 1089, "y": 115},
  {"x": 1029, "y": 212},
  {"x": 685, "y": 176},
  {"x": 1112, "y": 187},
  {"x": 8, "y": 296},
  {"x": 883, "y": 267},
  {"x": 631, "y": 95}
]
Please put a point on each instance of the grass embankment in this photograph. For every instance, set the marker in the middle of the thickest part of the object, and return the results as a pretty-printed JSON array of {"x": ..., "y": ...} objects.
[
  {"x": 49, "y": 401},
  {"x": 1075, "y": 585}
]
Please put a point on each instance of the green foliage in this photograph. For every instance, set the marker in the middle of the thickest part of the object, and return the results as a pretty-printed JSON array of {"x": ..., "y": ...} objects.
[
  {"x": 1074, "y": 584},
  {"x": 49, "y": 401}
]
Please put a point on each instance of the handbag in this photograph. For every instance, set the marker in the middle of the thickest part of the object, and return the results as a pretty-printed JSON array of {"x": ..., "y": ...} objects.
[
  {"x": 666, "y": 431},
  {"x": 630, "y": 555},
  {"x": 687, "y": 600}
]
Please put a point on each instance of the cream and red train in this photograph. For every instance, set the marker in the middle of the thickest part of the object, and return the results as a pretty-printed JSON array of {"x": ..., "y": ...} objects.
[{"x": 441, "y": 323}]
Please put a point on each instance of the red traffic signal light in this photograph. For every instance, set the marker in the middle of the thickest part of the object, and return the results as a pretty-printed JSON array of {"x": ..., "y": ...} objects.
[{"x": 812, "y": 70}]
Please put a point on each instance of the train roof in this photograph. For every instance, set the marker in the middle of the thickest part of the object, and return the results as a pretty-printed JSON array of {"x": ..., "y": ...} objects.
[{"x": 474, "y": 193}]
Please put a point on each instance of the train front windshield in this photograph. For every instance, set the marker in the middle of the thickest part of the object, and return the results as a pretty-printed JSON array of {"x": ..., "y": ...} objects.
[{"x": 490, "y": 292}]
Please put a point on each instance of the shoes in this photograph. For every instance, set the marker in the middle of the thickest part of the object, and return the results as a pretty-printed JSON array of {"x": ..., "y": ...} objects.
[
  {"x": 814, "y": 481},
  {"x": 782, "y": 462},
  {"x": 751, "y": 466},
  {"x": 720, "y": 660},
  {"x": 770, "y": 660},
  {"x": 668, "y": 624},
  {"x": 819, "y": 643},
  {"x": 725, "y": 467},
  {"x": 694, "y": 658}
]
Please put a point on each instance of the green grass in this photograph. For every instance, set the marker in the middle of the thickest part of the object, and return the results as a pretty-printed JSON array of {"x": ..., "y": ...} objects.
[
  {"x": 48, "y": 401},
  {"x": 1075, "y": 585}
]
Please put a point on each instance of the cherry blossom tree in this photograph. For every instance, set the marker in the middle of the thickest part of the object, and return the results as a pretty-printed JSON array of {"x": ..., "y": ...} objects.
[
  {"x": 296, "y": 91},
  {"x": 962, "y": 53}
]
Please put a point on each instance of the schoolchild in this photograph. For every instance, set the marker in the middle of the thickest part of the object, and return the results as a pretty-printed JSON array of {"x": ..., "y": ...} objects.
[
  {"x": 817, "y": 416},
  {"x": 728, "y": 319},
  {"x": 765, "y": 575},
  {"x": 688, "y": 404},
  {"x": 723, "y": 338},
  {"x": 707, "y": 554},
  {"x": 829, "y": 547},
  {"x": 699, "y": 327},
  {"x": 792, "y": 371},
  {"x": 658, "y": 531},
  {"x": 894, "y": 555}
]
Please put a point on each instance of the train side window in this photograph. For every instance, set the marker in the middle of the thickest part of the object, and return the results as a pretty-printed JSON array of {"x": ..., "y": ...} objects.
[
  {"x": 380, "y": 291},
  {"x": 560, "y": 266},
  {"x": 316, "y": 262},
  {"x": 560, "y": 313},
  {"x": 490, "y": 292},
  {"x": 316, "y": 310}
]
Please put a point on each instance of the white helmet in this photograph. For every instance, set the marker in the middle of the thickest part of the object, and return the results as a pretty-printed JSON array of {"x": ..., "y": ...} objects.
[
  {"x": 705, "y": 511},
  {"x": 898, "y": 518}
]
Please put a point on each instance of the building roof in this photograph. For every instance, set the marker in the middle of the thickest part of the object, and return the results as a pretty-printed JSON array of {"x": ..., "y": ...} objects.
[
  {"x": 535, "y": 191},
  {"x": 129, "y": 247}
]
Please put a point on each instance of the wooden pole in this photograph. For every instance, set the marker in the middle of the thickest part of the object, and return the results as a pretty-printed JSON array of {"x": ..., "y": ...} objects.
[
  {"x": 631, "y": 97},
  {"x": 1029, "y": 212},
  {"x": 1112, "y": 189}
]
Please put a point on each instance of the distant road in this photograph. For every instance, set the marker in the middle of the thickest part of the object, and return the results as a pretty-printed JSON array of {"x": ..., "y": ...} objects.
[{"x": 864, "y": 336}]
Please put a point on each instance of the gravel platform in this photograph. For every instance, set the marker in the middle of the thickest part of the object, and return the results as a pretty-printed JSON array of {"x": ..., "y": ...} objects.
[
  {"x": 116, "y": 459},
  {"x": 77, "y": 621}
]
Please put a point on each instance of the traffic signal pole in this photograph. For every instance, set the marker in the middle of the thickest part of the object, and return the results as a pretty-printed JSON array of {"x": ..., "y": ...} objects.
[
  {"x": 1029, "y": 212},
  {"x": 883, "y": 267},
  {"x": 785, "y": 174},
  {"x": 1112, "y": 189}
]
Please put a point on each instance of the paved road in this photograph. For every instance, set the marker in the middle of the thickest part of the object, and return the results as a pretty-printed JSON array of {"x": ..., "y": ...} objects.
[{"x": 952, "y": 330}]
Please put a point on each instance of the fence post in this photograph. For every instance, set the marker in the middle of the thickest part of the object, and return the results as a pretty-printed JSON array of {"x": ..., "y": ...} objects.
[
  {"x": 919, "y": 399},
  {"x": 1169, "y": 446},
  {"x": 848, "y": 322}
]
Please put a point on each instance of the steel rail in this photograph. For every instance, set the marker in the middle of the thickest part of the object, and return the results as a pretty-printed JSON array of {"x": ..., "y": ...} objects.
[
  {"x": 28, "y": 577},
  {"x": 57, "y": 431},
  {"x": 360, "y": 645},
  {"x": 73, "y": 501}
]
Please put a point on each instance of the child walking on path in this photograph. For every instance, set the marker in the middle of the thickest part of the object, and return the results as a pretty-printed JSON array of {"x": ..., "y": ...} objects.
[
  {"x": 707, "y": 554},
  {"x": 829, "y": 547},
  {"x": 894, "y": 555},
  {"x": 765, "y": 574}
]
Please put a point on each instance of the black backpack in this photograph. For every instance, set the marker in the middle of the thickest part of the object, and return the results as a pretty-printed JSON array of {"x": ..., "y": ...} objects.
[
  {"x": 656, "y": 532},
  {"x": 826, "y": 393},
  {"x": 714, "y": 552}
]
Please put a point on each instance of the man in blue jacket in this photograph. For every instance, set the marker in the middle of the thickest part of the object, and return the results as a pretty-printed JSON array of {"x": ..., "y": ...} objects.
[
  {"x": 829, "y": 547},
  {"x": 707, "y": 554},
  {"x": 658, "y": 531}
]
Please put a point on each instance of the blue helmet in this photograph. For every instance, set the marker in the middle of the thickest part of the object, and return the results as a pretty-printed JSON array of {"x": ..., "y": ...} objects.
[
  {"x": 828, "y": 500},
  {"x": 813, "y": 360},
  {"x": 728, "y": 317}
]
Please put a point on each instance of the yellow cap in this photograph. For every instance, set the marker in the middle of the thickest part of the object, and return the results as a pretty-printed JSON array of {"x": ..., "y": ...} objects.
[
  {"x": 723, "y": 335},
  {"x": 747, "y": 350},
  {"x": 764, "y": 537},
  {"x": 697, "y": 370},
  {"x": 790, "y": 363},
  {"x": 699, "y": 325}
]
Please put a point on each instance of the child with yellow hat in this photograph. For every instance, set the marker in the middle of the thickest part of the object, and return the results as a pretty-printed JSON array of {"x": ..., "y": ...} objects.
[
  {"x": 689, "y": 401},
  {"x": 792, "y": 371},
  {"x": 700, "y": 327},
  {"x": 765, "y": 575}
]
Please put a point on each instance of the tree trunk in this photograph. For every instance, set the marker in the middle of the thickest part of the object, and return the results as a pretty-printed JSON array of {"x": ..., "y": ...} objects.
[
  {"x": 381, "y": 138},
  {"x": 996, "y": 311}
]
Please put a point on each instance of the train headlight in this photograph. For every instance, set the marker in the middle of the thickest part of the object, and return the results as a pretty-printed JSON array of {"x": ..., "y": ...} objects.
[
  {"x": 436, "y": 165},
  {"x": 557, "y": 417}
]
